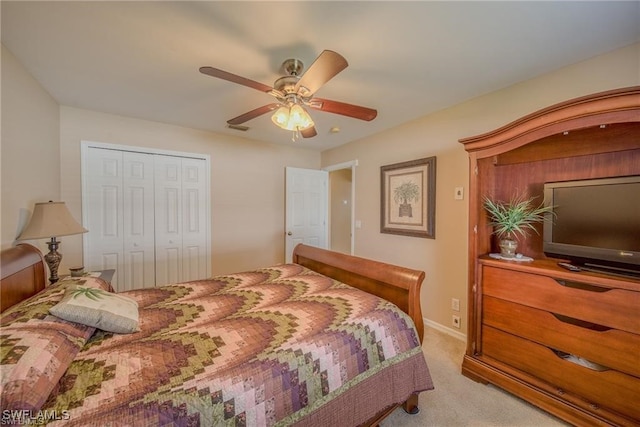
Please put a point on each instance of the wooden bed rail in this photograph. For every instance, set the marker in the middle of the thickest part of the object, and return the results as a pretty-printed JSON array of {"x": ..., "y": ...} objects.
[{"x": 399, "y": 285}]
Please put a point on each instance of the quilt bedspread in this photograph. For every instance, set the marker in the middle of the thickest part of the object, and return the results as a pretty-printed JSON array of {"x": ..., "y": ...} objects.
[{"x": 265, "y": 347}]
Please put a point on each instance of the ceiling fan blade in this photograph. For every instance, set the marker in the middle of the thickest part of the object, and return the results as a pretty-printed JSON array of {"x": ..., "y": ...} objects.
[
  {"x": 323, "y": 69},
  {"x": 253, "y": 114},
  {"x": 342, "y": 108},
  {"x": 225, "y": 75},
  {"x": 309, "y": 132}
]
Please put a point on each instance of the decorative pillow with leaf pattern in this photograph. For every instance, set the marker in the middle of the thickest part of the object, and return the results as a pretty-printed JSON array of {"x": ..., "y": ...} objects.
[
  {"x": 98, "y": 308},
  {"x": 36, "y": 348}
]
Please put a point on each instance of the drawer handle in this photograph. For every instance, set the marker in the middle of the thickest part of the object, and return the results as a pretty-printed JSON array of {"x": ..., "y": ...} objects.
[
  {"x": 580, "y": 361},
  {"x": 581, "y": 323},
  {"x": 581, "y": 286}
]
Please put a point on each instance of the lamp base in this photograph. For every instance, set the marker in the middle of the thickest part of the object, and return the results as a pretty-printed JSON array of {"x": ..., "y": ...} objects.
[{"x": 53, "y": 259}]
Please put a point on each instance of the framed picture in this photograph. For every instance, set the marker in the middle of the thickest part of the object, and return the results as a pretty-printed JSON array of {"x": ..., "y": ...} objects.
[{"x": 408, "y": 198}]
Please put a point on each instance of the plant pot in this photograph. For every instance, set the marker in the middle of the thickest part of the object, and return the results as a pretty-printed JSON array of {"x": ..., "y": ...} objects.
[
  {"x": 405, "y": 210},
  {"x": 508, "y": 248}
]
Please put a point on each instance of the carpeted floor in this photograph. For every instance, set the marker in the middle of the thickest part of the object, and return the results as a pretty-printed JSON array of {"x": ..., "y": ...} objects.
[{"x": 458, "y": 401}]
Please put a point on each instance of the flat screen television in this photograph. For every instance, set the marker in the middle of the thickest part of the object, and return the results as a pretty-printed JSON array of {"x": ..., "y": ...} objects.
[{"x": 595, "y": 223}]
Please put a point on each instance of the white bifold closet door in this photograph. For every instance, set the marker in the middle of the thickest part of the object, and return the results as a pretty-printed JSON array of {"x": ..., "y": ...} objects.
[
  {"x": 180, "y": 219},
  {"x": 146, "y": 217}
]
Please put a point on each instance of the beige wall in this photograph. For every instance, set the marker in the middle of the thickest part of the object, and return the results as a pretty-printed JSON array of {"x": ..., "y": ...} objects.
[
  {"x": 30, "y": 169},
  {"x": 247, "y": 182},
  {"x": 340, "y": 210},
  {"x": 445, "y": 259},
  {"x": 41, "y": 141}
]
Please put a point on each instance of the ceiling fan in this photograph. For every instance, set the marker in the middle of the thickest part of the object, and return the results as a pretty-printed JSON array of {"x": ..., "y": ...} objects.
[{"x": 295, "y": 91}]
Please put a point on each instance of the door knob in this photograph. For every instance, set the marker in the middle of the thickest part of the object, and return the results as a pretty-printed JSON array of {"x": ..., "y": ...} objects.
[{"x": 289, "y": 233}]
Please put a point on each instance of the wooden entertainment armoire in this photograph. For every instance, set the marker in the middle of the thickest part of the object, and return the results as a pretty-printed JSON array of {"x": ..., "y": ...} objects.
[{"x": 525, "y": 318}]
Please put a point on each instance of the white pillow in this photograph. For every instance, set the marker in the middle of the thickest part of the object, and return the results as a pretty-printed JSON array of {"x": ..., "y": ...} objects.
[{"x": 98, "y": 308}]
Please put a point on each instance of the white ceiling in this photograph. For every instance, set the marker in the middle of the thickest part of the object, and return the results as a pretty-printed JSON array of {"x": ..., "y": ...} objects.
[{"x": 406, "y": 59}]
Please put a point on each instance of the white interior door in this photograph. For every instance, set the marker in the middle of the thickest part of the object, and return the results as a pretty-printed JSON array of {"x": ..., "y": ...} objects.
[
  {"x": 139, "y": 227},
  {"x": 147, "y": 215},
  {"x": 306, "y": 209},
  {"x": 103, "y": 171},
  {"x": 168, "y": 199},
  {"x": 181, "y": 219},
  {"x": 194, "y": 220},
  {"x": 119, "y": 215}
]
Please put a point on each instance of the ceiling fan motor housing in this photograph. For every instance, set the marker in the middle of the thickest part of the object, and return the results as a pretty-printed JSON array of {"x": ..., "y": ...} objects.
[
  {"x": 293, "y": 67},
  {"x": 286, "y": 84}
]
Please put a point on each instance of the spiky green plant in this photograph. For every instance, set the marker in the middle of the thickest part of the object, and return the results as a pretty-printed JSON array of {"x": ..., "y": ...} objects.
[
  {"x": 517, "y": 216},
  {"x": 91, "y": 293}
]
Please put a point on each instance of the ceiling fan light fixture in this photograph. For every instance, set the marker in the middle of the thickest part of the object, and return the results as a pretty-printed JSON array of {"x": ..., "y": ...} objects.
[
  {"x": 299, "y": 118},
  {"x": 292, "y": 118},
  {"x": 281, "y": 117}
]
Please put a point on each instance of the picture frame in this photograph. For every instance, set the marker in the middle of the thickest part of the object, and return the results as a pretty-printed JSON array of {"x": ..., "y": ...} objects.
[{"x": 408, "y": 198}]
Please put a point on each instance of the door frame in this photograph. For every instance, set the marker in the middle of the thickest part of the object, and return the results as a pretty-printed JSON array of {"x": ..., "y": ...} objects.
[
  {"x": 85, "y": 146},
  {"x": 346, "y": 165}
]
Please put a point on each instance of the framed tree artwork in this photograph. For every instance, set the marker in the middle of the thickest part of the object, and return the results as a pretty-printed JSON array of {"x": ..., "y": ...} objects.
[{"x": 408, "y": 198}]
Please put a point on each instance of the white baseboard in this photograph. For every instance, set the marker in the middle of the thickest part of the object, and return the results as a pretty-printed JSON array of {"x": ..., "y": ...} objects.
[{"x": 454, "y": 333}]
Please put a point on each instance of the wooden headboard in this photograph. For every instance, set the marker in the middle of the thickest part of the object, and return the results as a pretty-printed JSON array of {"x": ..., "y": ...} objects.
[{"x": 22, "y": 274}]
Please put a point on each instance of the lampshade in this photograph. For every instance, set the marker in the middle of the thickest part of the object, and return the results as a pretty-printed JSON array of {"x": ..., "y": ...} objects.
[
  {"x": 51, "y": 219},
  {"x": 292, "y": 118},
  {"x": 281, "y": 117}
]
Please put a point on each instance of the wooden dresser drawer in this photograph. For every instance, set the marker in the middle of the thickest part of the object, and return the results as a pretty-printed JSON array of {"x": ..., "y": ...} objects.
[
  {"x": 611, "y": 389},
  {"x": 612, "y": 348},
  {"x": 614, "y": 308}
]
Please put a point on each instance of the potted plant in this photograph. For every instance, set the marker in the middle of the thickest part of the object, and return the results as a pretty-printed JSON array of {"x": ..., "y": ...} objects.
[{"x": 517, "y": 216}]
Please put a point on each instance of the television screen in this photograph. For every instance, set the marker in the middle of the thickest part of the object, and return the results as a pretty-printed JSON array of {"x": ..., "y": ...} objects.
[{"x": 596, "y": 221}]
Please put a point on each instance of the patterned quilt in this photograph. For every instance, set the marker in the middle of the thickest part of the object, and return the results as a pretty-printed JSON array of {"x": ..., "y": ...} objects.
[{"x": 276, "y": 346}]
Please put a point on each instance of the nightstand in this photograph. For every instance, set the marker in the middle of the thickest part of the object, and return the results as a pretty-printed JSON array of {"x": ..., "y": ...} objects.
[{"x": 106, "y": 275}]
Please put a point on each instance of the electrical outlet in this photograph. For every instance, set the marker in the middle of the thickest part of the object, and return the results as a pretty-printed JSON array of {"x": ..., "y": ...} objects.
[
  {"x": 455, "y": 304},
  {"x": 456, "y": 321}
]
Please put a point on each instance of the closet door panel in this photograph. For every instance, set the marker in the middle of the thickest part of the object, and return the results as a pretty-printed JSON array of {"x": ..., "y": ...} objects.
[
  {"x": 194, "y": 221},
  {"x": 104, "y": 218},
  {"x": 168, "y": 212},
  {"x": 139, "y": 235}
]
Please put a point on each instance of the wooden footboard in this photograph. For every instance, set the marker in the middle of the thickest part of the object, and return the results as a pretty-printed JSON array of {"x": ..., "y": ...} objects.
[
  {"x": 22, "y": 274},
  {"x": 399, "y": 285}
]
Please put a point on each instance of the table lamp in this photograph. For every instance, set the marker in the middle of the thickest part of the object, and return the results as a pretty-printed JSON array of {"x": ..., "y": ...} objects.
[{"x": 51, "y": 220}]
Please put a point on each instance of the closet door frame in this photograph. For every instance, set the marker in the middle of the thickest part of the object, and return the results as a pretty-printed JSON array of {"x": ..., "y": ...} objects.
[{"x": 86, "y": 146}]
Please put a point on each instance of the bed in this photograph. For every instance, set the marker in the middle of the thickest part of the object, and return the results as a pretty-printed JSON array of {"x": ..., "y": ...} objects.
[{"x": 329, "y": 339}]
